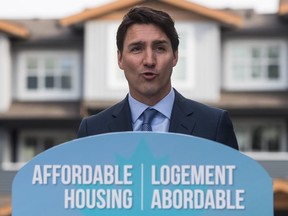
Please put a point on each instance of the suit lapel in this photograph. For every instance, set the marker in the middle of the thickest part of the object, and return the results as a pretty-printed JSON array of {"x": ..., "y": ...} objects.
[
  {"x": 182, "y": 119},
  {"x": 121, "y": 117}
]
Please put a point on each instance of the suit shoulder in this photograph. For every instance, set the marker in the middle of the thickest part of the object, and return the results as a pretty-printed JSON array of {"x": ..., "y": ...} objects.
[
  {"x": 195, "y": 106},
  {"x": 206, "y": 108},
  {"x": 107, "y": 113}
]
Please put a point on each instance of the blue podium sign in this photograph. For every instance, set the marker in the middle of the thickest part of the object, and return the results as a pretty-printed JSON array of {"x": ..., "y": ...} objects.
[{"x": 142, "y": 174}]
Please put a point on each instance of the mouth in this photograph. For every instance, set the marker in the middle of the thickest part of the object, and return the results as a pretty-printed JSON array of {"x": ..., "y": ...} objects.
[{"x": 149, "y": 75}]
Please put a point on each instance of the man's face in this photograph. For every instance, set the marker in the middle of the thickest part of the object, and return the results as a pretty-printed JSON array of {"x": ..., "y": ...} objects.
[{"x": 147, "y": 60}]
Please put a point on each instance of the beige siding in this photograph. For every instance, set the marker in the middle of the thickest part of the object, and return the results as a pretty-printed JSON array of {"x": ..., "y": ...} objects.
[
  {"x": 98, "y": 60},
  {"x": 207, "y": 63},
  {"x": 5, "y": 74}
]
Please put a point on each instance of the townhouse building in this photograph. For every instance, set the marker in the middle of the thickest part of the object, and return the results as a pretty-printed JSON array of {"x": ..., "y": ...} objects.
[{"x": 55, "y": 72}]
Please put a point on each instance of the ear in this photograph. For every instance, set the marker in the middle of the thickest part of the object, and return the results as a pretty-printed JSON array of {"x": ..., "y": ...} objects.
[
  {"x": 175, "y": 60},
  {"x": 119, "y": 56}
]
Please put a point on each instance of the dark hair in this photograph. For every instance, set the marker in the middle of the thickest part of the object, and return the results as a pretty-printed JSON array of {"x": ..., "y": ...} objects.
[{"x": 146, "y": 15}]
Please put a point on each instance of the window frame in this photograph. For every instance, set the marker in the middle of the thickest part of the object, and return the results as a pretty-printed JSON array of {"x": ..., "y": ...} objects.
[
  {"x": 47, "y": 94},
  {"x": 230, "y": 83},
  {"x": 248, "y": 124},
  {"x": 59, "y": 137}
]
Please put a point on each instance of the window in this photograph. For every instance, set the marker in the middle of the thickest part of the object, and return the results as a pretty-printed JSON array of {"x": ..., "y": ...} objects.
[
  {"x": 261, "y": 136},
  {"x": 30, "y": 144},
  {"x": 255, "y": 65},
  {"x": 49, "y": 75}
]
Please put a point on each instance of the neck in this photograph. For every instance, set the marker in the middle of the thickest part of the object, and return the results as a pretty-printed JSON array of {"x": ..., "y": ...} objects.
[{"x": 150, "y": 100}]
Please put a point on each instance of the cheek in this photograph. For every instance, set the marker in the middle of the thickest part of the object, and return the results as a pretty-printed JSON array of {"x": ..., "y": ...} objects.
[
  {"x": 131, "y": 65},
  {"x": 130, "y": 72},
  {"x": 168, "y": 66}
]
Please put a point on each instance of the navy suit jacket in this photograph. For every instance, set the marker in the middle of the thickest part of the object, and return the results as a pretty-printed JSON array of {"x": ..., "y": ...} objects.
[{"x": 188, "y": 117}]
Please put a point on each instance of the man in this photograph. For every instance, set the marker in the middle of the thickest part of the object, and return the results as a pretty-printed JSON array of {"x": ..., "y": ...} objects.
[{"x": 147, "y": 45}]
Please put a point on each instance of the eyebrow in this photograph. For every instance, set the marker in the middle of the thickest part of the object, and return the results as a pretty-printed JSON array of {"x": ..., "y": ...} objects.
[
  {"x": 156, "y": 42},
  {"x": 160, "y": 42},
  {"x": 136, "y": 43}
]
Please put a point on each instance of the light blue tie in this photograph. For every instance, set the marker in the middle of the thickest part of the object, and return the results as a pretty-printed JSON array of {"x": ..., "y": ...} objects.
[{"x": 148, "y": 116}]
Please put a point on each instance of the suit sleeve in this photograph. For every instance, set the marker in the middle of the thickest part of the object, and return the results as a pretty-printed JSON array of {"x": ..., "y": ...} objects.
[
  {"x": 225, "y": 131},
  {"x": 82, "y": 131}
]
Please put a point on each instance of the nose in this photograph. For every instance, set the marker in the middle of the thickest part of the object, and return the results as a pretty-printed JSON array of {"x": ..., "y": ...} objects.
[{"x": 149, "y": 59}]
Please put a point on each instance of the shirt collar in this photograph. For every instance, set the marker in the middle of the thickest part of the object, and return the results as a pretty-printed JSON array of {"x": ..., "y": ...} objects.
[{"x": 164, "y": 106}]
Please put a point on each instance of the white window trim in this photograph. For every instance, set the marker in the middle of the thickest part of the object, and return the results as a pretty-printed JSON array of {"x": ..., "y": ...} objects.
[
  {"x": 268, "y": 156},
  {"x": 274, "y": 156},
  {"x": 46, "y": 95},
  {"x": 231, "y": 84},
  {"x": 7, "y": 165}
]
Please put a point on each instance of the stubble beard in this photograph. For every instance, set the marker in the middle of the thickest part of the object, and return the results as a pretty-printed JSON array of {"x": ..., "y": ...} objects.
[{"x": 150, "y": 94}]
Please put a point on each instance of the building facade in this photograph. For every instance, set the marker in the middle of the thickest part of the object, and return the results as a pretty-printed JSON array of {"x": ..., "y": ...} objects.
[{"x": 55, "y": 72}]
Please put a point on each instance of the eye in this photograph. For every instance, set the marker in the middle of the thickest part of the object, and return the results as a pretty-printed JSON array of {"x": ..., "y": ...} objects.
[
  {"x": 160, "y": 49},
  {"x": 135, "y": 49}
]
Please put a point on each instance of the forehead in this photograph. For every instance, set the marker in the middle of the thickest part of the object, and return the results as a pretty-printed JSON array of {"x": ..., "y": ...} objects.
[{"x": 144, "y": 33}]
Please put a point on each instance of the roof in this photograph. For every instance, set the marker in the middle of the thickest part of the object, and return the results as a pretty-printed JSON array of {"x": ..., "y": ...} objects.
[
  {"x": 283, "y": 8},
  {"x": 42, "y": 110},
  {"x": 254, "y": 99},
  {"x": 48, "y": 31},
  {"x": 224, "y": 17},
  {"x": 254, "y": 103},
  {"x": 13, "y": 29},
  {"x": 6, "y": 211},
  {"x": 260, "y": 24},
  {"x": 280, "y": 187},
  {"x": 5, "y": 205}
]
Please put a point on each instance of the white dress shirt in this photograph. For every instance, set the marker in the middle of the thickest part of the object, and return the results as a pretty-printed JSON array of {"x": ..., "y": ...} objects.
[{"x": 161, "y": 121}]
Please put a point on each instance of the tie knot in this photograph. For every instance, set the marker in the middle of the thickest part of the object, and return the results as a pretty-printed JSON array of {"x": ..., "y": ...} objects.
[{"x": 148, "y": 116}]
